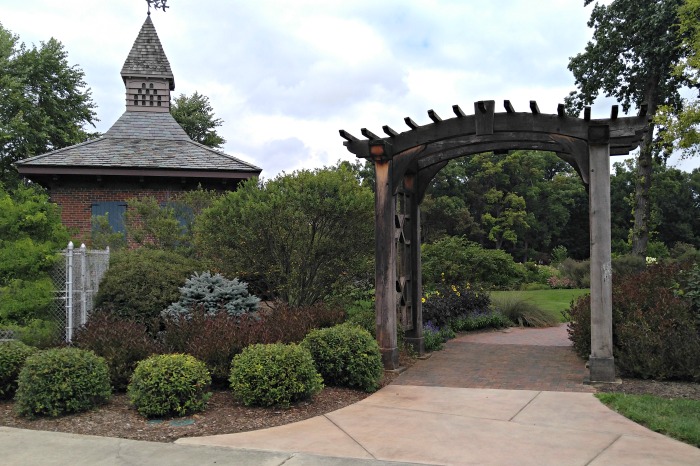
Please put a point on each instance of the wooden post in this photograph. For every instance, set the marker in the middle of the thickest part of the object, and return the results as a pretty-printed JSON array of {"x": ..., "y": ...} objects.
[
  {"x": 385, "y": 259},
  {"x": 601, "y": 362},
  {"x": 414, "y": 337}
]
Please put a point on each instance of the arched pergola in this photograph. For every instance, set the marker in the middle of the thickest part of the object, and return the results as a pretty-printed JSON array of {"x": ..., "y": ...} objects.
[{"x": 405, "y": 164}]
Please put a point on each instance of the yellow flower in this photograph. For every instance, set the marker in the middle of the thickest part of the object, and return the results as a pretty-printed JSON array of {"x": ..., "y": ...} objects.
[
  {"x": 454, "y": 288},
  {"x": 422, "y": 300}
]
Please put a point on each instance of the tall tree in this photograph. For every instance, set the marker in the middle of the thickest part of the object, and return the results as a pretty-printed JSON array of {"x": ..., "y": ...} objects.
[
  {"x": 196, "y": 116},
  {"x": 44, "y": 102},
  {"x": 682, "y": 130},
  {"x": 635, "y": 46}
]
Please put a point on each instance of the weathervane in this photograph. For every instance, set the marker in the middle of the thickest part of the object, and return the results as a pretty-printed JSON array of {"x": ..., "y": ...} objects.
[{"x": 157, "y": 4}]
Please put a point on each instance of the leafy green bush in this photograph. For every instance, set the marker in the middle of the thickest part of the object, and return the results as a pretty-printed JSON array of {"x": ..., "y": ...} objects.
[
  {"x": 12, "y": 357},
  {"x": 169, "y": 384},
  {"x": 363, "y": 314},
  {"x": 435, "y": 338},
  {"x": 123, "y": 343},
  {"x": 479, "y": 320},
  {"x": 522, "y": 312},
  {"x": 656, "y": 332},
  {"x": 61, "y": 381},
  {"x": 346, "y": 355},
  {"x": 274, "y": 374},
  {"x": 450, "y": 302},
  {"x": 140, "y": 283},
  {"x": 457, "y": 260},
  {"x": 302, "y": 234},
  {"x": 212, "y": 294},
  {"x": 38, "y": 333},
  {"x": 629, "y": 264}
]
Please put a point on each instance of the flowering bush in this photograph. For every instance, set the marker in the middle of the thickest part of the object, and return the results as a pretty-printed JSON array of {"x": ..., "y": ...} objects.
[
  {"x": 450, "y": 302},
  {"x": 561, "y": 282}
]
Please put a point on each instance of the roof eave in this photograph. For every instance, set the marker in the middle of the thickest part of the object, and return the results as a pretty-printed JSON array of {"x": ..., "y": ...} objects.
[{"x": 138, "y": 172}]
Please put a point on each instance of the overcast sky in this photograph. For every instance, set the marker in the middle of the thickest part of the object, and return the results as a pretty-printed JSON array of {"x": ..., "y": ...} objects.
[{"x": 285, "y": 76}]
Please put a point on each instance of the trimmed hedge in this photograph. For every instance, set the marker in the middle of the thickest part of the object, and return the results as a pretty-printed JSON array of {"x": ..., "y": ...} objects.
[
  {"x": 346, "y": 355},
  {"x": 170, "y": 384},
  {"x": 274, "y": 374},
  {"x": 13, "y": 354},
  {"x": 62, "y": 381}
]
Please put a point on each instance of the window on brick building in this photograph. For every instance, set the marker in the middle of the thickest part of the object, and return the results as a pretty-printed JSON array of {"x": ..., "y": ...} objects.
[{"x": 115, "y": 214}]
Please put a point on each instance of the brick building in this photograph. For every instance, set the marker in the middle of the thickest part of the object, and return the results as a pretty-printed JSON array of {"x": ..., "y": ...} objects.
[{"x": 145, "y": 152}]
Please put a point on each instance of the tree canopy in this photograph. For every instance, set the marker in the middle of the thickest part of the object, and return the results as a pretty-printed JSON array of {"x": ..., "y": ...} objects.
[
  {"x": 44, "y": 102},
  {"x": 196, "y": 116},
  {"x": 631, "y": 57}
]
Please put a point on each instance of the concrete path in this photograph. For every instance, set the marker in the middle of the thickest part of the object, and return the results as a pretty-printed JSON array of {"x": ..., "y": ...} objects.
[{"x": 440, "y": 411}]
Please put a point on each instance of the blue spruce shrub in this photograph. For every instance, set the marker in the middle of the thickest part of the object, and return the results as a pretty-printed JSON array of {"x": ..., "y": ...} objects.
[{"x": 212, "y": 294}]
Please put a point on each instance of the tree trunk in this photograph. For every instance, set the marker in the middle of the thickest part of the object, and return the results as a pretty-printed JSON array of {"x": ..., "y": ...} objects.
[{"x": 642, "y": 203}]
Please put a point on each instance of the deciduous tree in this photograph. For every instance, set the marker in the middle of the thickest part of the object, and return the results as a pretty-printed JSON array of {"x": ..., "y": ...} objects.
[
  {"x": 631, "y": 57},
  {"x": 44, "y": 102},
  {"x": 196, "y": 116}
]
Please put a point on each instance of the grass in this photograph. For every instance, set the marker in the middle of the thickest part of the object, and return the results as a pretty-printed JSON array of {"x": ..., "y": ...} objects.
[
  {"x": 551, "y": 301},
  {"x": 677, "y": 418}
]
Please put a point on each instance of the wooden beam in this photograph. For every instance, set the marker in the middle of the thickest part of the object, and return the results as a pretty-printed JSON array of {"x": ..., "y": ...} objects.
[
  {"x": 613, "y": 112},
  {"x": 389, "y": 132},
  {"x": 534, "y": 108},
  {"x": 508, "y": 106},
  {"x": 434, "y": 116},
  {"x": 561, "y": 110},
  {"x": 484, "y": 116},
  {"x": 643, "y": 109},
  {"x": 458, "y": 111},
  {"x": 411, "y": 124},
  {"x": 347, "y": 136},
  {"x": 369, "y": 134},
  {"x": 587, "y": 113}
]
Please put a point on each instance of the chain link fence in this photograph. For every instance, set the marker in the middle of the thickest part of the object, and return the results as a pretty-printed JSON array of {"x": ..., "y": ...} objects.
[{"x": 76, "y": 279}]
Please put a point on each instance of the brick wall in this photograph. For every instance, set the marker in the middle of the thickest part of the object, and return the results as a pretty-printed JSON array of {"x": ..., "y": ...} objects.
[{"x": 75, "y": 196}]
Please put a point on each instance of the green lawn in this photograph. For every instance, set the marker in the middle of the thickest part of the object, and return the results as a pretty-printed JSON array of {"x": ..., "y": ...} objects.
[
  {"x": 552, "y": 301},
  {"x": 677, "y": 418}
]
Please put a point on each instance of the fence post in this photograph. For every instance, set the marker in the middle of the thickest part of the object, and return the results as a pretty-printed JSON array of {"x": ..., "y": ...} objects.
[
  {"x": 83, "y": 284},
  {"x": 69, "y": 294}
]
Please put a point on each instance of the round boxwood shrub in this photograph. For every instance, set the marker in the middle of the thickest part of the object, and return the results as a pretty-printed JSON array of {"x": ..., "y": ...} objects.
[
  {"x": 274, "y": 374},
  {"x": 12, "y": 357},
  {"x": 62, "y": 381},
  {"x": 346, "y": 355},
  {"x": 170, "y": 384}
]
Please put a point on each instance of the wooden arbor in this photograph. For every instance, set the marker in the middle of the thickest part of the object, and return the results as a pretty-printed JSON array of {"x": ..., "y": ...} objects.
[{"x": 405, "y": 164}]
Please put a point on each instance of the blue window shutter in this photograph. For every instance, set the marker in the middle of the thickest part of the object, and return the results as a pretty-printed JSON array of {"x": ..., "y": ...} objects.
[{"x": 115, "y": 214}]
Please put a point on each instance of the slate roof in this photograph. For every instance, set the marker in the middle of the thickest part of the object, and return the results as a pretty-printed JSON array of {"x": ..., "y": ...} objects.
[
  {"x": 147, "y": 57},
  {"x": 141, "y": 140}
]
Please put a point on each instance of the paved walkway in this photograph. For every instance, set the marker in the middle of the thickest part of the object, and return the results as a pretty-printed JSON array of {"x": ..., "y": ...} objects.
[{"x": 431, "y": 414}]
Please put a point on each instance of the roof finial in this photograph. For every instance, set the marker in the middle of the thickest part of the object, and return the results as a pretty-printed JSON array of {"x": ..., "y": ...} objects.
[{"x": 157, "y": 4}]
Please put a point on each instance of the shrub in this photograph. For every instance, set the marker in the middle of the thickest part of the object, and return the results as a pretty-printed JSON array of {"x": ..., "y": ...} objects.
[
  {"x": 629, "y": 264},
  {"x": 61, "y": 381},
  {"x": 457, "y": 260},
  {"x": 12, "y": 357},
  {"x": 140, "y": 283},
  {"x": 480, "y": 320},
  {"x": 522, "y": 312},
  {"x": 123, "y": 343},
  {"x": 450, "y": 302},
  {"x": 435, "y": 338},
  {"x": 213, "y": 339},
  {"x": 274, "y": 374},
  {"x": 169, "y": 384},
  {"x": 212, "y": 294},
  {"x": 38, "y": 333},
  {"x": 305, "y": 233},
  {"x": 363, "y": 314},
  {"x": 346, "y": 355},
  {"x": 656, "y": 333},
  {"x": 579, "y": 272}
]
